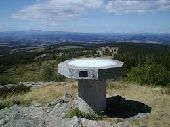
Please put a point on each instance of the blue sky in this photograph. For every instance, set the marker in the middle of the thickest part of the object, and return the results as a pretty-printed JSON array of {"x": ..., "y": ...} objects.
[{"x": 93, "y": 16}]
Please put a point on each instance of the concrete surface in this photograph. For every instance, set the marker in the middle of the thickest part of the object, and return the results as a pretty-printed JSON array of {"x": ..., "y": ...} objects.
[{"x": 94, "y": 93}]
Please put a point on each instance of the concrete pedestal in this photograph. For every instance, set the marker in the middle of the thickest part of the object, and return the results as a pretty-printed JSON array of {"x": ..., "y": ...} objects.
[
  {"x": 91, "y": 74},
  {"x": 93, "y": 92}
]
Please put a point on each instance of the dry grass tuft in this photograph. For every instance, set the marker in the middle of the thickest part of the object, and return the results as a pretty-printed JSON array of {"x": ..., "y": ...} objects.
[
  {"x": 50, "y": 92},
  {"x": 42, "y": 95}
]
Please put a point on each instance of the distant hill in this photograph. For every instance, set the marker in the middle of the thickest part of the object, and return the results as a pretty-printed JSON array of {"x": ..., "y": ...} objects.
[{"x": 60, "y": 36}]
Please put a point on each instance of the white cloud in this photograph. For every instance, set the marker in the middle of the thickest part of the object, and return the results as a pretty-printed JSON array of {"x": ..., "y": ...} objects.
[
  {"x": 54, "y": 10},
  {"x": 137, "y": 6}
]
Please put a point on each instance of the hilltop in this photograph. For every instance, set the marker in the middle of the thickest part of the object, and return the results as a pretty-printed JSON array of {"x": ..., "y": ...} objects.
[
  {"x": 32, "y": 93},
  {"x": 54, "y": 104}
]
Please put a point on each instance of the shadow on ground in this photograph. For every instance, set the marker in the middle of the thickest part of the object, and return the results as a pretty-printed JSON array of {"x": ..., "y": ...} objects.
[{"x": 119, "y": 107}]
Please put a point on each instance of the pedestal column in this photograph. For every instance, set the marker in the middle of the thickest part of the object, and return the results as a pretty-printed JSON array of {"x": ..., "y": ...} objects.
[{"x": 93, "y": 92}]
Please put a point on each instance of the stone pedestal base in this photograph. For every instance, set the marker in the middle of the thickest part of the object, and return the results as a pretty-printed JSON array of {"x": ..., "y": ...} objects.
[{"x": 93, "y": 92}]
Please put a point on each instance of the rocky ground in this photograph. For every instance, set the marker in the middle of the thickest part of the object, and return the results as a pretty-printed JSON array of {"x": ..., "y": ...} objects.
[
  {"x": 121, "y": 112},
  {"x": 53, "y": 114},
  {"x": 48, "y": 116}
]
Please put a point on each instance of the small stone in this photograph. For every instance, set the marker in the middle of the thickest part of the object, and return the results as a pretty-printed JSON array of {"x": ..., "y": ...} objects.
[
  {"x": 67, "y": 95},
  {"x": 37, "y": 105},
  {"x": 53, "y": 103},
  {"x": 2, "y": 122},
  {"x": 48, "y": 110},
  {"x": 57, "y": 102},
  {"x": 63, "y": 115}
]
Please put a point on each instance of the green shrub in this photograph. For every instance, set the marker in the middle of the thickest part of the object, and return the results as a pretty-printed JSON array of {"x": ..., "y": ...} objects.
[
  {"x": 79, "y": 114},
  {"x": 166, "y": 90},
  {"x": 5, "y": 104},
  {"x": 49, "y": 73},
  {"x": 8, "y": 102},
  {"x": 5, "y": 80},
  {"x": 13, "y": 90},
  {"x": 58, "y": 77},
  {"x": 152, "y": 74}
]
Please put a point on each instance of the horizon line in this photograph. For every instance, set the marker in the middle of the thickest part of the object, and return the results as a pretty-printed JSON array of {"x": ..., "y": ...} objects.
[{"x": 86, "y": 32}]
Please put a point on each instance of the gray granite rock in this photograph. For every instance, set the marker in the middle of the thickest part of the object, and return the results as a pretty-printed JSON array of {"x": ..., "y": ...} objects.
[
  {"x": 15, "y": 117},
  {"x": 39, "y": 115},
  {"x": 93, "y": 123},
  {"x": 2, "y": 122},
  {"x": 82, "y": 105}
]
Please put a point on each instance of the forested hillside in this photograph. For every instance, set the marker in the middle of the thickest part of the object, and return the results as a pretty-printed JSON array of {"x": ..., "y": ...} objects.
[{"x": 147, "y": 64}]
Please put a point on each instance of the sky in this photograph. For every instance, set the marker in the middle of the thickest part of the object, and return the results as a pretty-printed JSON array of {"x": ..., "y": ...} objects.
[{"x": 87, "y": 16}]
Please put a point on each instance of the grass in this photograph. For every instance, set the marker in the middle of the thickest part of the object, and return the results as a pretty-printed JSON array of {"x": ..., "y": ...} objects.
[
  {"x": 26, "y": 73},
  {"x": 5, "y": 79},
  {"x": 13, "y": 90},
  {"x": 12, "y": 100},
  {"x": 13, "y": 95},
  {"x": 76, "y": 112},
  {"x": 50, "y": 92},
  {"x": 166, "y": 90},
  {"x": 21, "y": 73},
  {"x": 151, "y": 96},
  {"x": 42, "y": 95}
]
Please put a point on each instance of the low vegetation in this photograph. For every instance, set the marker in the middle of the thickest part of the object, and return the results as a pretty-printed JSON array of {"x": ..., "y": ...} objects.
[
  {"x": 49, "y": 73},
  {"x": 151, "y": 74},
  {"x": 32, "y": 72},
  {"x": 76, "y": 112},
  {"x": 13, "y": 90},
  {"x": 166, "y": 90},
  {"x": 50, "y": 92},
  {"x": 4, "y": 80},
  {"x": 14, "y": 99},
  {"x": 155, "y": 97},
  {"x": 23, "y": 96}
]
